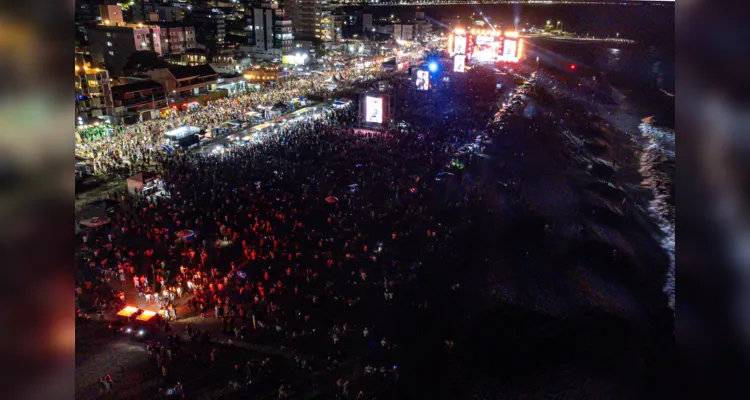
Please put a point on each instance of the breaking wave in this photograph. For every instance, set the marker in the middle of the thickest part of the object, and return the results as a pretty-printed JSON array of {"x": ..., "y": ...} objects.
[{"x": 657, "y": 169}]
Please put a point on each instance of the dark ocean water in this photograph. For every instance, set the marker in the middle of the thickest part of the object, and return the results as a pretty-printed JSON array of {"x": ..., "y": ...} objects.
[{"x": 644, "y": 73}]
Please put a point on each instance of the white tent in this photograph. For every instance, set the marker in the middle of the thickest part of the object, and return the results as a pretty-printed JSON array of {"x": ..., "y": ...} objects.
[{"x": 181, "y": 132}]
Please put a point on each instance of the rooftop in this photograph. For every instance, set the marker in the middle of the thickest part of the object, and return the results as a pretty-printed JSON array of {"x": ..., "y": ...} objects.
[
  {"x": 136, "y": 86},
  {"x": 106, "y": 24},
  {"x": 191, "y": 71}
]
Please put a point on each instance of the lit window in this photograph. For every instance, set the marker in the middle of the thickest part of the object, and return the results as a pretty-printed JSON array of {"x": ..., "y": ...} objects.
[
  {"x": 109, "y": 44},
  {"x": 109, "y": 34},
  {"x": 111, "y": 53}
]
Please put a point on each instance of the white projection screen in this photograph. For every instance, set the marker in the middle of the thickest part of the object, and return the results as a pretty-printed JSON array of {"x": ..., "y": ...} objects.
[
  {"x": 374, "y": 110},
  {"x": 459, "y": 44},
  {"x": 459, "y": 63},
  {"x": 509, "y": 48},
  {"x": 423, "y": 80}
]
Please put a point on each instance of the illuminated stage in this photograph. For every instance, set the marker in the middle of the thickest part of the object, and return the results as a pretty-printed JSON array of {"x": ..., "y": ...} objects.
[{"x": 486, "y": 45}]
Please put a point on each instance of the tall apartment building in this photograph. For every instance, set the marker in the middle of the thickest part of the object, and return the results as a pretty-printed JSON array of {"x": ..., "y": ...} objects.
[
  {"x": 367, "y": 24},
  {"x": 338, "y": 20},
  {"x": 210, "y": 25},
  {"x": 113, "y": 41},
  {"x": 176, "y": 38},
  {"x": 422, "y": 27},
  {"x": 310, "y": 18},
  {"x": 113, "y": 44},
  {"x": 111, "y": 14},
  {"x": 324, "y": 26},
  {"x": 92, "y": 89},
  {"x": 87, "y": 10},
  {"x": 403, "y": 32},
  {"x": 142, "y": 8},
  {"x": 269, "y": 31},
  {"x": 168, "y": 13},
  {"x": 329, "y": 26}
]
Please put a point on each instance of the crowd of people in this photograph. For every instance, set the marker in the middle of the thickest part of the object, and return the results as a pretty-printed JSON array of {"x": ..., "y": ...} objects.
[
  {"x": 136, "y": 147},
  {"x": 320, "y": 240},
  {"x": 364, "y": 258}
]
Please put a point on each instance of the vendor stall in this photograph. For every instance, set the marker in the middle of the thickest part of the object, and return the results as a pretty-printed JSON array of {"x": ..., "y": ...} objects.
[
  {"x": 253, "y": 117},
  {"x": 143, "y": 182},
  {"x": 185, "y": 136},
  {"x": 342, "y": 103}
]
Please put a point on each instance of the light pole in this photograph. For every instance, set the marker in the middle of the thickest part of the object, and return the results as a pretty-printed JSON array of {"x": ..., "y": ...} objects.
[
  {"x": 559, "y": 27},
  {"x": 174, "y": 97}
]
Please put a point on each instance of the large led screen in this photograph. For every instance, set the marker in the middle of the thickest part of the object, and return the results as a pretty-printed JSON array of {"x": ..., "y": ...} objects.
[
  {"x": 459, "y": 63},
  {"x": 423, "y": 80},
  {"x": 509, "y": 48},
  {"x": 374, "y": 109},
  {"x": 459, "y": 45},
  {"x": 486, "y": 48}
]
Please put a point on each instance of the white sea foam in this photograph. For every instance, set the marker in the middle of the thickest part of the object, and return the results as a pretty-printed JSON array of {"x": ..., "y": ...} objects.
[{"x": 658, "y": 155}]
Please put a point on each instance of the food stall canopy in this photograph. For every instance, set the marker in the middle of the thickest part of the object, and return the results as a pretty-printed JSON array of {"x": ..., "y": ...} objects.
[
  {"x": 301, "y": 111},
  {"x": 146, "y": 316},
  {"x": 128, "y": 311},
  {"x": 261, "y": 127},
  {"x": 343, "y": 102}
]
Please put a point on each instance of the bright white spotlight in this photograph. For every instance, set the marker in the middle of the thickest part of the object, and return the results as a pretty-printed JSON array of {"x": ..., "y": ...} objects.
[{"x": 433, "y": 67}]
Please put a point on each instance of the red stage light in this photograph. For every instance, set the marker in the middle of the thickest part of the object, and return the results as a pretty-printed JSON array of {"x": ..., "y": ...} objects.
[{"x": 572, "y": 66}]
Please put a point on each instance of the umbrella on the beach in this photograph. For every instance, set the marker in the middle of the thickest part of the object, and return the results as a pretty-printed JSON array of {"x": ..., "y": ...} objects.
[{"x": 186, "y": 234}]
